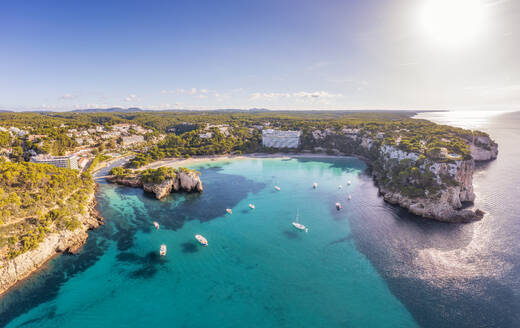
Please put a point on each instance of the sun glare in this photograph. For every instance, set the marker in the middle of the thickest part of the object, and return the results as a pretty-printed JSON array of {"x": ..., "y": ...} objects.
[{"x": 452, "y": 22}]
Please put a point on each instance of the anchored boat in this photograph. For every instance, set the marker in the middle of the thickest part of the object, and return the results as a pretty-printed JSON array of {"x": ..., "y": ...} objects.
[
  {"x": 315, "y": 185},
  {"x": 298, "y": 225},
  {"x": 201, "y": 240},
  {"x": 277, "y": 188},
  {"x": 229, "y": 211},
  {"x": 162, "y": 252},
  {"x": 156, "y": 225},
  {"x": 251, "y": 206},
  {"x": 338, "y": 206}
]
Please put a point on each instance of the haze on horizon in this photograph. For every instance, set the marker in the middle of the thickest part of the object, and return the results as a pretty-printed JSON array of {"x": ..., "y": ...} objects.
[{"x": 406, "y": 54}]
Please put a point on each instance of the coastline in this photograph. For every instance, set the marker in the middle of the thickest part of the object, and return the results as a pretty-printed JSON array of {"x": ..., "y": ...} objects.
[{"x": 16, "y": 270}]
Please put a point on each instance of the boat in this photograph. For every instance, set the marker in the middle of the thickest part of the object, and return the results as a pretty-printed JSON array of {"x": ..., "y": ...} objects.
[
  {"x": 349, "y": 197},
  {"x": 201, "y": 240},
  {"x": 251, "y": 206},
  {"x": 229, "y": 211},
  {"x": 340, "y": 187},
  {"x": 277, "y": 188},
  {"x": 349, "y": 182},
  {"x": 156, "y": 225},
  {"x": 298, "y": 225},
  {"x": 315, "y": 185},
  {"x": 162, "y": 252},
  {"x": 338, "y": 206}
]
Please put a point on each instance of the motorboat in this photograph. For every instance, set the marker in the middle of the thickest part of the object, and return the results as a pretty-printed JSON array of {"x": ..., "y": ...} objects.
[
  {"x": 156, "y": 225},
  {"x": 229, "y": 211},
  {"x": 340, "y": 187},
  {"x": 251, "y": 206},
  {"x": 349, "y": 182},
  {"x": 349, "y": 197},
  {"x": 162, "y": 252},
  {"x": 277, "y": 188},
  {"x": 201, "y": 240},
  {"x": 315, "y": 185},
  {"x": 338, "y": 206},
  {"x": 298, "y": 225}
]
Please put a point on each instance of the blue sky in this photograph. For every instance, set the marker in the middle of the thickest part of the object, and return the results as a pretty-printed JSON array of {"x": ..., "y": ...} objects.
[{"x": 279, "y": 54}]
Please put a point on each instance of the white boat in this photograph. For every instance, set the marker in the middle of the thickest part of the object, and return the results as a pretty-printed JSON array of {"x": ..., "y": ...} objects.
[
  {"x": 229, "y": 211},
  {"x": 277, "y": 188},
  {"x": 251, "y": 206},
  {"x": 156, "y": 225},
  {"x": 315, "y": 185},
  {"x": 338, "y": 206},
  {"x": 162, "y": 252},
  {"x": 349, "y": 197},
  {"x": 201, "y": 240},
  {"x": 298, "y": 225},
  {"x": 340, "y": 187},
  {"x": 349, "y": 182}
]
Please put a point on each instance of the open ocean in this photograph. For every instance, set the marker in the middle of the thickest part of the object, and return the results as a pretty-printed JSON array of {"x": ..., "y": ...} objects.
[{"x": 368, "y": 265}]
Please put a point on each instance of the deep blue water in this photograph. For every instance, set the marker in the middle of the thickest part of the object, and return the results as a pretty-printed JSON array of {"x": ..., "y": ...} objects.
[{"x": 369, "y": 265}]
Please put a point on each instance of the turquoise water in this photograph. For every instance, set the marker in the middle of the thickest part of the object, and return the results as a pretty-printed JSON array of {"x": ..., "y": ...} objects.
[{"x": 258, "y": 271}]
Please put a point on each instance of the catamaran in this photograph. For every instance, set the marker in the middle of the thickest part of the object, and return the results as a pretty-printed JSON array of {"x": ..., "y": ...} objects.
[
  {"x": 229, "y": 211},
  {"x": 315, "y": 185},
  {"x": 251, "y": 206},
  {"x": 298, "y": 225},
  {"x": 156, "y": 225},
  {"x": 277, "y": 188},
  {"x": 201, "y": 240},
  {"x": 162, "y": 252}
]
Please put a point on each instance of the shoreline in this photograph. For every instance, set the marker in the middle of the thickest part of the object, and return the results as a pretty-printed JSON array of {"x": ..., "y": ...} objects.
[{"x": 74, "y": 241}]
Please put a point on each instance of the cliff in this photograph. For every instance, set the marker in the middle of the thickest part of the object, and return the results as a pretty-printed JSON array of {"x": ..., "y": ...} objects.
[
  {"x": 182, "y": 181},
  {"x": 21, "y": 266},
  {"x": 428, "y": 186}
]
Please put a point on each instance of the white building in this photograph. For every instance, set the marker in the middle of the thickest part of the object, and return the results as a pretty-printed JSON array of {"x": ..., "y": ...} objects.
[
  {"x": 70, "y": 162},
  {"x": 280, "y": 139},
  {"x": 132, "y": 140}
]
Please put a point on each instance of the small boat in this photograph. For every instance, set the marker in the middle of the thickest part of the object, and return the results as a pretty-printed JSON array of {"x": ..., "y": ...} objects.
[
  {"x": 156, "y": 225},
  {"x": 201, "y": 240},
  {"x": 349, "y": 182},
  {"x": 277, "y": 188},
  {"x": 338, "y": 206},
  {"x": 229, "y": 211},
  {"x": 298, "y": 225},
  {"x": 162, "y": 252},
  {"x": 315, "y": 185},
  {"x": 340, "y": 187},
  {"x": 349, "y": 197},
  {"x": 251, "y": 206}
]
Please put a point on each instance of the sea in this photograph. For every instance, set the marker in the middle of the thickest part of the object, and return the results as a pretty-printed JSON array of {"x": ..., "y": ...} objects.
[{"x": 369, "y": 264}]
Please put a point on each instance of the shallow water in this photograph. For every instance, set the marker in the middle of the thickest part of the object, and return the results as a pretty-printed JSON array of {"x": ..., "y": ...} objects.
[{"x": 257, "y": 270}]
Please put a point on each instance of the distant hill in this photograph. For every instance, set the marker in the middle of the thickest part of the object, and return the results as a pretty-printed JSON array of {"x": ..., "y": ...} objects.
[{"x": 105, "y": 110}]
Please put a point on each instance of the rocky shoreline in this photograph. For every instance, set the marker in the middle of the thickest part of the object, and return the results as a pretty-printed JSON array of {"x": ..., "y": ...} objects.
[
  {"x": 15, "y": 270},
  {"x": 187, "y": 182}
]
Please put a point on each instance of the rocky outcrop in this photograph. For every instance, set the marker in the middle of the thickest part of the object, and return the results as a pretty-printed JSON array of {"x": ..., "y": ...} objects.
[
  {"x": 183, "y": 181},
  {"x": 452, "y": 178},
  {"x": 18, "y": 268}
]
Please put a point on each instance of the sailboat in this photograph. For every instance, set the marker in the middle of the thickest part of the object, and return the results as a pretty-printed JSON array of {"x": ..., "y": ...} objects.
[
  {"x": 229, "y": 211},
  {"x": 349, "y": 197},
  {"x": 340, "y": 187},
  {"x": 277, "y": 188},
  {"x": 338, "y": 206},
  {"x": 298, "y": 225},
  {"x": 315, "y": 185},
  {"x": 156, "y": 225},
  {"x": 349, "y": 182},
  {"x": 162, "y": 252},
  {"x": 251, "y": 206}
]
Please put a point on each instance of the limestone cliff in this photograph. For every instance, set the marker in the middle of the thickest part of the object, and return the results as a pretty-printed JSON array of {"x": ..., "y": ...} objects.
[
  {"x": 183, "y": 181},
  {"x": 18, "y": 268},
  {"x": 427, "y": 187}
]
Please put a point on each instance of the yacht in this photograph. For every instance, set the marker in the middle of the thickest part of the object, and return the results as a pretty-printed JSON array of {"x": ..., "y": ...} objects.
[
  {"x": 162, "y": 252},
  {"x": 229, "y": 211},
  {"x": 277, "y": 188},
  {"x": 315, "y": 185},
  {"x": 338, "y": 206},
  {"x": 201, "y": 240},
  {"x": 156, "y": 225},
  {"x": 251, "y": 206},
  {"x": 298, "y": 225}
]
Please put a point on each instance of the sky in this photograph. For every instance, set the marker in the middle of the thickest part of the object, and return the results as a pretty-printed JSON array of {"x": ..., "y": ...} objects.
[{"x": 276, "y": 54}]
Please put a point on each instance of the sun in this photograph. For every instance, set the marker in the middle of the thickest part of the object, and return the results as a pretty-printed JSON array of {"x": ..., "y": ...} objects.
[{"x": 452, "y": 22}]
